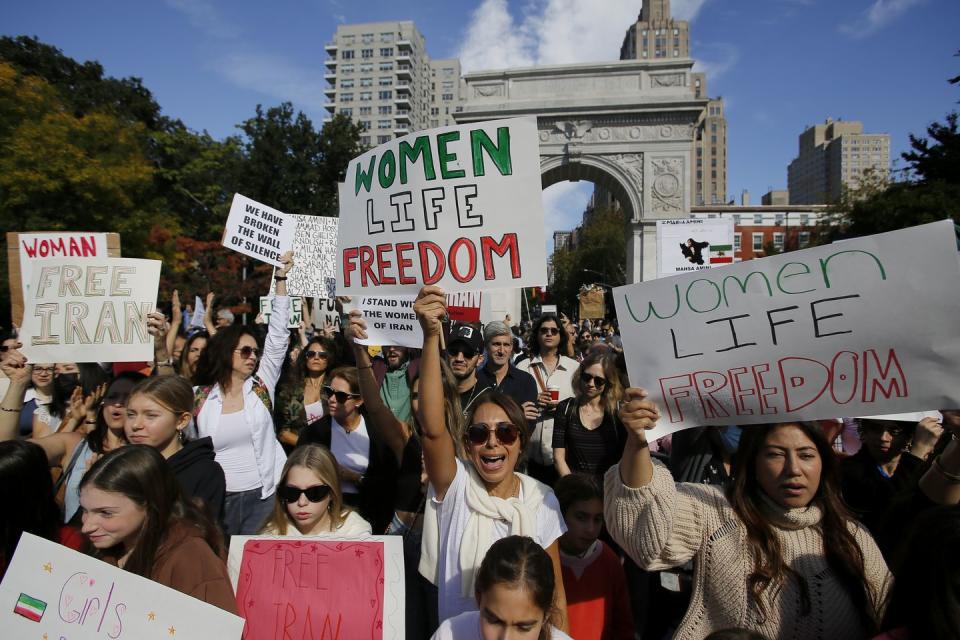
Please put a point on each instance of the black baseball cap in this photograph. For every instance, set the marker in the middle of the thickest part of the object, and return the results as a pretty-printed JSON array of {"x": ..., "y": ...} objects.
[{"x": 468, "y": 335}]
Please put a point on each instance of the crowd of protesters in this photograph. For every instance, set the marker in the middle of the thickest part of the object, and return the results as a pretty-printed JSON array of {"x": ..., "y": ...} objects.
[{"x": 512, "y": 459}]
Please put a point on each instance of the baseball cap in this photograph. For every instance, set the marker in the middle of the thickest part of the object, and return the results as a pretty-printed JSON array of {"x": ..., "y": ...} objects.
[{"x": 468, "y": 335}]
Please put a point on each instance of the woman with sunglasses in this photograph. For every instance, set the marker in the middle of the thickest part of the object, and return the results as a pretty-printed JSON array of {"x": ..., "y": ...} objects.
[
  {"x": 366, "y": 465},
  {"x": 309, "y": 501},
  {"x": 587, "y": 434},
  {"x": 300, "y": 392},
  {"x": 233, "y": 405},
  {"x": 473, "y": 504}
]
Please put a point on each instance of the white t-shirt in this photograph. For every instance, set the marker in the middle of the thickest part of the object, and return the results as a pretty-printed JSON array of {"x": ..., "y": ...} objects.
[
  {"x": 466, "y": 626},
  {"x": 540, "y": 448},
  {"x": 233, "y": 446},
  {"x": 314, "y": 411},
  {"x": 352, "y": 450},
  {"x": 453, "y": 514}
]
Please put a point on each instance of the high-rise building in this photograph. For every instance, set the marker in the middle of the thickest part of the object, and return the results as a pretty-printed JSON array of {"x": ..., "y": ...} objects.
[
  {"x": 655, "y": 36},
  {"x": 382, "y": 77},
  {"x": 834, "y": 156}
]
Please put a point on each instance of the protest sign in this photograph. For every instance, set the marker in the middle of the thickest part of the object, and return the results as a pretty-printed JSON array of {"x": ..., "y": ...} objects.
[
  {"x": 548, "y": 308},
  {"x": 864, "y": 327},
  {"x": 196, "y": 320},
  {"x": 692, "y": 245},
  {"x": 296, "y": 310},
  {"x": 51, "y": 591},
  {"x": 319, "y": 587},
  {"x": 325, "y": 313},
  {"x": 464, "y": 306},
  {"x": 314, "y": 272},
  {"x": 258, "y": 231},
  {"x": 592, "y": 306},
  {"x": 90, "y": 310},
  {"x": 24, "y": 248},
  {"x": 458, "y": 206},
  {"x": 390, "y": 321}
]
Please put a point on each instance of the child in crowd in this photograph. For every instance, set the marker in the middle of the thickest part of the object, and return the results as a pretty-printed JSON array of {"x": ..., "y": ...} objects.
[
  {"x": 515, "y": 593},
  {"x": 598, "y": 605}
]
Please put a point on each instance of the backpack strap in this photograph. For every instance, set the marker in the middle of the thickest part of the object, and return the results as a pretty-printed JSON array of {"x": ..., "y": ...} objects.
[{"x": 259, "y": 388}]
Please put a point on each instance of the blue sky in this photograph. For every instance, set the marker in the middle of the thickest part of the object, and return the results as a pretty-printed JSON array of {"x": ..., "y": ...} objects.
[{"x": 779, "y": 64}]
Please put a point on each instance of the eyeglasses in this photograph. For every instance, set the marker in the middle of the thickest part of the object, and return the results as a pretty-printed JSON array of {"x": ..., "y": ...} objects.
[
  {"x": 894, "y": 432},
  {"x": 246, "y": 352},
  {"x": 506, "y": 433},
  {"x": 316, "y": 493},
  {"x": 454, "y": 350},
  {"x": 316, "y": 354},
  {"x": 341, "y": 396},
  {"x": 597, "y": 381},
  {"x": 549, "y": 331},
  {"x": 47, "y": 370}
]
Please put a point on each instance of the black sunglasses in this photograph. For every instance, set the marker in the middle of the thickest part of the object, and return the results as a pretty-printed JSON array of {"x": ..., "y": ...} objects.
[
  {"x": 456, "y": 349},
  {"x": 598, "y": 382},
  {"x": 549, "y": 331},
  {"x": 341, "y": 396},
  {"x": 310, "y": 353},
  {"x": 506, "y": 433},
  {"x": 315, "y": 493},
  {"x": 246, "y": 352}
]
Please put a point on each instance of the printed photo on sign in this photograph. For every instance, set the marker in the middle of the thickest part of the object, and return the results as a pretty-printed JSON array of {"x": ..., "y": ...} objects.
[
  {"x": 90, "y": 310},
  {"x": 693, "y": 245},
  {"x": 821, "y": 333},
  {"x": 456, "y": 206},
  {"x": 50, "y": 591},
  {"x": 258, "y": 231}
]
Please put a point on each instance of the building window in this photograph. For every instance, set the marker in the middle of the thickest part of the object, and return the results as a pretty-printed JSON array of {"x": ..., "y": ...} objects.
[
  {"x": 366, "y": 38},
  {"x": 736, "y": 219},
  {"x": 736, "y": 241},
  {"x": 346, "y": 84},
  {"x": 347, "y": 54},
  {"x": 365, "y": 124},
  {"x": 366, "y": 96},
  {"x": 447, "y": 97},
  {"x": 365, "y": 111},
  {"x": 382, "y": 139},
  {"x": 434, "y": 111},
  {"x": 347, "y": 111},
  {"x": 365, "y": 141},
  {"x": 386, "y": 36},
  {"x": 804, "y": 239},
  {"x": 386, "y": 52},
  {"x": 366, "y": 67},
  {"x": 385, "y": 111},
  {"x": 347, "y": 68},
  {"x": 804, "y": 219},
  {"x": 346, "y": 97},
  {"x": 386, "y": 81},
  {"x": 758, "y": 218},
  {"x": 366, "y": 82},
  {"x": 778, "y": 219},
  {"x": 758, "y": 242},
  {"x": 384, "y": 124},
  {"x": 386, "y": 95},
  {"x": 349, "y": 40},
  {"x": 386, "y": 66},
  {"x": 366, "y": 53},
  {"x": 778, "y": 241}
]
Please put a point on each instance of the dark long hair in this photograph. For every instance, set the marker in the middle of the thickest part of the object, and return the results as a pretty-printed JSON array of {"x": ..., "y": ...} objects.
[
  {"x": 843, "y": 553},
  {"x": 99, "y": 432},
  {"x": 26, "y": 497},
  {"x": 182, "y": 363},
  {"x": 216, "y": 362},
  {"x": 535, "y": 335},
  {"x": 141, "y": 474},
  {"x": 925, "y": 597},
  {"x": 520, "y": 562}
]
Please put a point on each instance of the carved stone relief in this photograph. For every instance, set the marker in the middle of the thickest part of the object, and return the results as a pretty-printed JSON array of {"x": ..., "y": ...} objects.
[
  {"x": 666, "y": 189},
  {"x": 488, "y": 90},
  {"x": 667, "y": 80},
  {"x": 632, "y": 163},
  {"x": 586, "y": 131}
]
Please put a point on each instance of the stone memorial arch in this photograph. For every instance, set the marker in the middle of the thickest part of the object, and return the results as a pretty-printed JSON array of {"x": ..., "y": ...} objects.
[{"x": 626, "y": 126}]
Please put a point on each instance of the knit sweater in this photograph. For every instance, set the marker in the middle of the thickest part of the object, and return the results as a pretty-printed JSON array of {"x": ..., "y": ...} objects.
[{"x": 664, "y": 525}]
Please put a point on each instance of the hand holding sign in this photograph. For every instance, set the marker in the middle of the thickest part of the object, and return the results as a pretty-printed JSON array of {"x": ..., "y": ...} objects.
[
  {"x": 638, "y": 414},
  {"x": 257, "y": 230},
  {"x": 431, "y": 308}
]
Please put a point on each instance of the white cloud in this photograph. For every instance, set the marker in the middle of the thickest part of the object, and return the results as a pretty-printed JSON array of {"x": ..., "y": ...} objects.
[
  {"x": 274, "y": 76},
  {"x": 552, "y": 31},
  {"x": 715, "y": 60},
  {"x": 204, "y": 16},
  {"x": 563, "y": 205},
  {"x": 877, "y": 16}
]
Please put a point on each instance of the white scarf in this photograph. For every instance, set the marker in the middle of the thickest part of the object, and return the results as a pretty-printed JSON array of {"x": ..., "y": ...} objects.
[{"x": 521, "y": 515}]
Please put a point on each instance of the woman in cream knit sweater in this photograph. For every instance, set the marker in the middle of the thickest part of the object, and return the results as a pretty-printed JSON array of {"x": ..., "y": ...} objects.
[{"x": 776, "y": 553}]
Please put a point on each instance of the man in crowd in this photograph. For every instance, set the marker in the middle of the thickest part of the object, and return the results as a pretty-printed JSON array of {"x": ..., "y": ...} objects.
[
  {"x": 463, "y": 354},
  {"x": 394, "y": 372},
  {"x": 500, "y": 373},
  {"x": 225, "y": 318}
]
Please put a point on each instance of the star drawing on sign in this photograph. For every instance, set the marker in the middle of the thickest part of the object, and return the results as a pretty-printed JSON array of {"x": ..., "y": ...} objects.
[
  {"x": 48, "y": 568},
  {"x": 172, "y": 631},
  {"x": 151, "y": 616}
]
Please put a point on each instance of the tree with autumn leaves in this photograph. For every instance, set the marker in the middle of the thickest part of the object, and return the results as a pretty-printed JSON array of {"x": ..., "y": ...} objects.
[{"x": 87, "y": 152}]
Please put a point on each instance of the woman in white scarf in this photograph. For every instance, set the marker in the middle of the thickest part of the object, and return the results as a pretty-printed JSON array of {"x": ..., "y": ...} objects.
[{"x": 472, "y": 505}]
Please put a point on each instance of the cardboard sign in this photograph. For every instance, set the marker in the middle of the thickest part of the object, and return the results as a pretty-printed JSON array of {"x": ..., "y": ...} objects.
[
  {"x": 390, "y": 321},
  {"x": 457, "y": 206},
  {"x": 258, "y": 231},
  {"x": 319, "y": 587},
  {"x": 592, "y": 305},
  {"x": 314, "y": 272},
  {"x": 464, "y": 307},
  {"x": 692, "y": 245},
  {"x": 865, "y": 327},
  {"x": 296, "y": 310},
  {"x": 90, "y": 310},
  {"x": 325, "y": 313},
  {"x": 50, "y": 591},
  {"x": 24, "y": 248}
]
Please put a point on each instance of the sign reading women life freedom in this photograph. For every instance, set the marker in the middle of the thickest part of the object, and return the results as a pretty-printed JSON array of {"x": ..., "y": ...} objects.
[
  {"x": 858, "y": 328},
  {"x": 459, "y": 207}
]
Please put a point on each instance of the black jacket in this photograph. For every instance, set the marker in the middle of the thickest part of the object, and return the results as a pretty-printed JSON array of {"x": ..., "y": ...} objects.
[
  {"x": 869, "y": 493},
  {"x": 380, "y": 481},
  {"x": 199, "y": 474}
]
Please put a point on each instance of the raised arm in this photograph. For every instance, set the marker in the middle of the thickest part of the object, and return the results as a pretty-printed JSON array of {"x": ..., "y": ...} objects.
[
  {"x": 381, "y": 418},
  {"x": 637, "y": 415},
  {"x": 275, "y": 345},
  {"x": 439, "y": 452},
  {"x": 208, "y": 322},
  {"x": 941, "y": 483},
  {"x": 15, "y": 367},
  {"x": 176, "y": 317},
  {"x": 159, "y": 328}
]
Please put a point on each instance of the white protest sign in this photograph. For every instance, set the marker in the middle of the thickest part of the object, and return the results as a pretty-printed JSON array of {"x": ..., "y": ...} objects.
[
  {"x": 319, "y": 586},
  {"x": 50, "y": 591},
  {"x": 296, "y": 310},
  {"x": 390, "y": 321},
  {"x": 692, "y": 245},
  {"x": 548, "y": 308},
  {"x": 456, "y": 206},
  {"x": 90, "y": 310},
  {"x": 325, "y": 313},
  {"x": 314, "y": 272},
  {"x": 865, "y": 327},
  {"x": 196, "y": 320},
  {"x": 34, "y": 246},
  {"x": 258, "y": 231}
]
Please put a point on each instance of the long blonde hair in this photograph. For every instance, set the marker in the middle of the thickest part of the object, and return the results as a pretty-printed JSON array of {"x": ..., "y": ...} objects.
[{"x": 321, "y": 462}]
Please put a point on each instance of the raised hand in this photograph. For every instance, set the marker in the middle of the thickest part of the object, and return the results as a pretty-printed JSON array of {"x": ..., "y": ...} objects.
[
  {"x": 431, "y": 308},
  {"x": 637, "y": 414},
  {"x": 356, "y": 328},
  {"x": 14, "y": 365}
]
